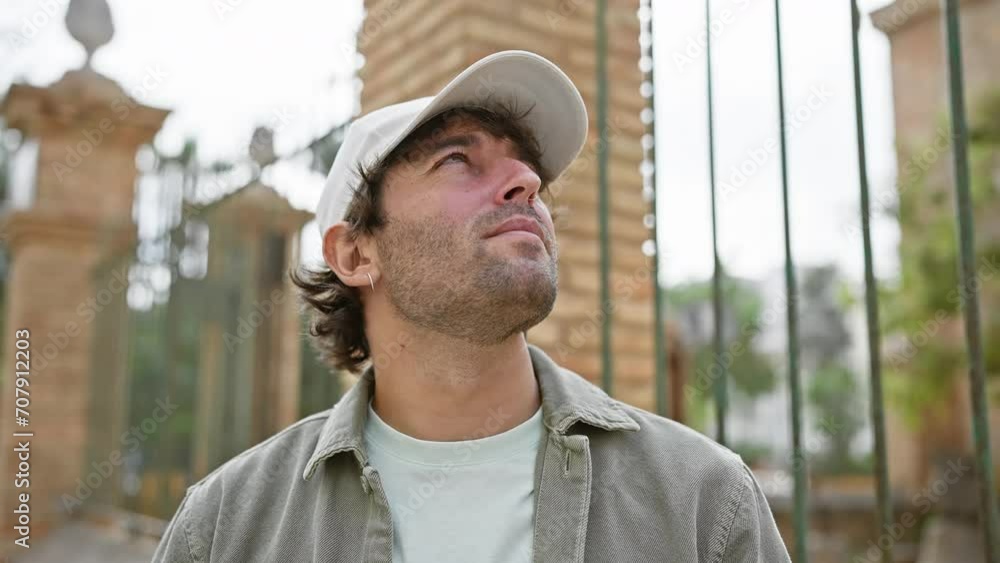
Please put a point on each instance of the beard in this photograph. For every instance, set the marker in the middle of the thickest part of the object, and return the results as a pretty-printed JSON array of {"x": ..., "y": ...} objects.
[{"x": 460, "y": 286}]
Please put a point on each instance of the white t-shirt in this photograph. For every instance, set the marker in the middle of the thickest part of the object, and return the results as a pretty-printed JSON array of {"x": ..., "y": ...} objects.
[{"x": 471, "y": 500}]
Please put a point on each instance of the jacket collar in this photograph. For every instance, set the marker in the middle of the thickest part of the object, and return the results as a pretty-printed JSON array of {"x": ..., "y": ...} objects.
[{"x": 567, "y": 398}]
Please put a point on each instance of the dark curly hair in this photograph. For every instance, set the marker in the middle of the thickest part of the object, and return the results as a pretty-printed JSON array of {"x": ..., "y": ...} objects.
[{"x": 336, "y": 324}]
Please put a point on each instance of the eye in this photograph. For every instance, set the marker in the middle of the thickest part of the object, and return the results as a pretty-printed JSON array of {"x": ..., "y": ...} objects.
[{"x": 454, "y": 157}]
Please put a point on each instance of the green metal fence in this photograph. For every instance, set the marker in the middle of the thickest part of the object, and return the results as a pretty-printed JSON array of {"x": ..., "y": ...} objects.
[
  {"x": 174, "y": 336},
  {"x": 969, "y": 293}
]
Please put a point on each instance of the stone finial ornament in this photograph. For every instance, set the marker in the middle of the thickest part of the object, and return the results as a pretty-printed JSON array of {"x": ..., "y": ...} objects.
[
  {"x": 89, "y": 22},
  {"x": 262, "y": 146}
]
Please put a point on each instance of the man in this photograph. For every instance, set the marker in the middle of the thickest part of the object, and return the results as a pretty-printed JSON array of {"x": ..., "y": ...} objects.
[{"x": 461, "y": 442}]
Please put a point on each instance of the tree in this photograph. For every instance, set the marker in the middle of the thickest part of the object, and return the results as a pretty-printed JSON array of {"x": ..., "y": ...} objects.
[
  {"x": 750, "y": 374},
  {"x": 833, "y": 393},
  {"x": 921, "y": 365}
]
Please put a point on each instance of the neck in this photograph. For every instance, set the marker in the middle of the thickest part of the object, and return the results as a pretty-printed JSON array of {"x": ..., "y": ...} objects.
[{"x": 434, "y": 387}]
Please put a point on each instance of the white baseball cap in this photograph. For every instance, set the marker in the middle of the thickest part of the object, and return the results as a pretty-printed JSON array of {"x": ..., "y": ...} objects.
[{"x": 557, "y": 118}]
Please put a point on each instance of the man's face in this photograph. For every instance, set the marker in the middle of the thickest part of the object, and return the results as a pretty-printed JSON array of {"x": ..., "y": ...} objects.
[{"x": 444, "y": 267}]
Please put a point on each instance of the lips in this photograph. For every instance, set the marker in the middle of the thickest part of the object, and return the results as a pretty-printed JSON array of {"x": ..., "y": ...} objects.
[{"x": 518, "y": 223}]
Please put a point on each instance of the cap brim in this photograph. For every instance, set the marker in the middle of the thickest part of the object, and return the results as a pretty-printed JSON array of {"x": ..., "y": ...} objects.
[{"x": 557, "y": 116}]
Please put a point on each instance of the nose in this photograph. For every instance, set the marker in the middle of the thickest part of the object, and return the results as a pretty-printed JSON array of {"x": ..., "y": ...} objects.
[{"x": 521, "y": 183}]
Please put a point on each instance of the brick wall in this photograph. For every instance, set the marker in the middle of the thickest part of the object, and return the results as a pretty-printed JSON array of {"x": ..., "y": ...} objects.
[{"x": 414, "y": 47}]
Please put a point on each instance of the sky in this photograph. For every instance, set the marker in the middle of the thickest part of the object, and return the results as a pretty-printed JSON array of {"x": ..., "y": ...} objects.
[
  {"x": 225, "y": 66},
  {"x": 821, "y": 147}
]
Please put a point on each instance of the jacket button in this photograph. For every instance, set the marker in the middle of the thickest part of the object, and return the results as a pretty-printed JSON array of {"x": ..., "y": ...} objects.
[
  {"x": 366, "y": 476},
  {"x": 577, "y": 443}
]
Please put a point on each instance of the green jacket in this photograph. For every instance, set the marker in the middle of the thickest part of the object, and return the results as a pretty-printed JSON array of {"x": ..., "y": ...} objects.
[{"x": 612, "y": 482}]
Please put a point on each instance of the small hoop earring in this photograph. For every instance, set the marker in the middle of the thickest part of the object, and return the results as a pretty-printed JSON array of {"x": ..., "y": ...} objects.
[{"x": 371, "y": 281}]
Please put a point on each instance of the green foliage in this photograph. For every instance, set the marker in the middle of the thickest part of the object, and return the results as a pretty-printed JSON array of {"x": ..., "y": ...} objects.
[
  {"x": 916, "y": 383},
  {"x": 170, "y": 445},
  {"x": 846, "y": 298},
  {"x": 749, "y": 372},
  {"x": 753, "y": 374},
  {"x": 984, "y": 128},
  {"x": 833, "y": 393},
  {"x": 928, "y": 254},
  {"x": 919, "y": 376},
  {"x": 737, "y": 295}
]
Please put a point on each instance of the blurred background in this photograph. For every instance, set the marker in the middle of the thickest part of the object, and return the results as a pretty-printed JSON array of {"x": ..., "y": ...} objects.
[{"x": 160, "y": 164}]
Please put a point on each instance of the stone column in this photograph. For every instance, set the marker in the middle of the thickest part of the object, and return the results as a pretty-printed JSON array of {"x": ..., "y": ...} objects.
[
  {"x": 257, "y": 337},
  {"x": 398, "y": 37},
  {"x": 87, "y": 131},
  {"x": 923, "y": 150}
]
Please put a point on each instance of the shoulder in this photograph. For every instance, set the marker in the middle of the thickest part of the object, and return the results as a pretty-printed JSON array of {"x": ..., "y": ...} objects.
[
  {"x": 265, "y": 471},
  {"x": 235, "y": 498},
  {"x": 684, "y": 484},
  {"x": 281, "y": 455},
  {"x": 676, "y": 444},
  {"x": 680, "y": 473},
  {"x": 690, "y": 469}
]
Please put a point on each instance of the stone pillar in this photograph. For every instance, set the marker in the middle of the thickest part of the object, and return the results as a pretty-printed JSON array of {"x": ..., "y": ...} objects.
[
  {"x": 87, "y": 131},
  {"x": 256, "y": 336},
  {"x": 924, "y": 151},
  {"x": 398, "y": 37}
]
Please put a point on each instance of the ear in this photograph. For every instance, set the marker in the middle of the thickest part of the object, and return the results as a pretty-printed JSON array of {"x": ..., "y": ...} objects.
[{"x": 352, "y": 259}]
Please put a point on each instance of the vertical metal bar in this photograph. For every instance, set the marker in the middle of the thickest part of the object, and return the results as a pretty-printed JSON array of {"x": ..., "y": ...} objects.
[
  {"x": 170, "y": 346},
  {"x": 99, "y": 431},
  {"x": 719, "y": 385},
  {"x": 602, "y": 184},
  {"x": 795, "y": 387},
  {"x": 662, "y": 347},
  {"x": 969, "y": 291},
  {"x": 871, "y": 303}
]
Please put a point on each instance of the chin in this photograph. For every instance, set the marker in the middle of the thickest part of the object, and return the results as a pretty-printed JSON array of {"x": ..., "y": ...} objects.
[{"x": 526, "y": 276}]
